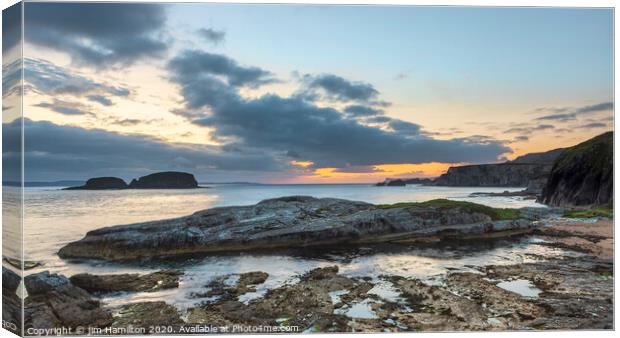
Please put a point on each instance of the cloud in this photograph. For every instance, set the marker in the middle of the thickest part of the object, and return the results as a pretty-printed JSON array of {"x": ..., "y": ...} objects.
[
  {"x": 521, "y": 138},
  {"x": 11, "y": 27},
  {"x": 293, "y": 125},
  {"x": 211, "y": 35},
  {"x": 528, "y": 129},
  {"x": 361, "y": 111},
  {"x": 49, "y": 79},
  {"x": 593, "y": 125},
  {"x": 65, "y": 107},
  {"x": 405, "y": 127},
  {"x": 65, "y": 152},
  {"x": 335, "y": 88},
  {"x": 557, "y": 117},
  {"x": 201, "y": 66},
  {"x": 565, "y": 114},
  {"x": 596, "y": 108},
  {"x": 100, "y": 99},
  {"x": 98, "y": 34}
]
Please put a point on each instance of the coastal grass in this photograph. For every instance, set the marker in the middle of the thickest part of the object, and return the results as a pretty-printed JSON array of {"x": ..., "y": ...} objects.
[
  {"x": 597, "y": 211},
  {"x": 496, "y": 214}
]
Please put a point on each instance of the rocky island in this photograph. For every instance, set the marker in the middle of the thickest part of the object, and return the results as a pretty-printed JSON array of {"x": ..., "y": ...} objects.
[
  {"x": 101, "y": 183},
  {"x": 161, "y": 180}
]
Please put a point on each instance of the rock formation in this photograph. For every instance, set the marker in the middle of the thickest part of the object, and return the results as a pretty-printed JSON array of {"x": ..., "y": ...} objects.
[
  {"x": 165, "y": 180},
  {"x": 295, "y": 221},
  {"x": 529, "y": 171},
  {"x": 151, "y": 282},
  {"x": 582, "y": 175},
  {"x": 101, "y": 183},
  {"x": 54, "y": 302},
  {"x": 11, "y": 303}
]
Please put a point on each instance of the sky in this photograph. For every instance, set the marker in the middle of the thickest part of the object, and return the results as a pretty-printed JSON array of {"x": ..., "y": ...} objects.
[{"x": 303, "y": 94}]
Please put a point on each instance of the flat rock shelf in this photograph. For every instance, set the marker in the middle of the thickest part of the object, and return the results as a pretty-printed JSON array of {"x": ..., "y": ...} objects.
[{"x": 297, "y": 221}]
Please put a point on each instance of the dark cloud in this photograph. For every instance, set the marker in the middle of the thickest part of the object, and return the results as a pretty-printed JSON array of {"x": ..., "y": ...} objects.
[
  {"x": 593, "y": 125},
  {"x": 11, "y": 27},
  {"x": 405, "y": 127},
  {"x": 100, "y": 99},
  {"x": 335, "y": 88},
  {"x": 521, "y": 138},
  {"x": 361, "y": 111},
  {"x": 201, "y": 66},
  {"x": 558, "y": 117},
  {"x": 293, "y": 125},
  {"x": 46, "y": 78},
  {"x": 378, "y": 119},
  {"x": 65, "y": 152},
  {"x": 98, "y": 34},
  {"x": 127, "y": 122},
  {"x": 565, "y": 114},
  {"x": 65, "y": 107},
  {"x": 211, "y": 35},
  {"x": 528, "y": 129},
  {"x": 596, "y": 107}
]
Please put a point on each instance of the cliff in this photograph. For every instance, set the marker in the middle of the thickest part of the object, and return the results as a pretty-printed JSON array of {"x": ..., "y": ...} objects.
[
  {"x": 165, "y": 180},
  {"x": 582, "y": 175},
  {"x": 529, "y": 171}
]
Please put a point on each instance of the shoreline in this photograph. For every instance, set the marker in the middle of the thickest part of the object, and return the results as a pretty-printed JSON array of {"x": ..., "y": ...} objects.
[{"x": 573, "y": 292}]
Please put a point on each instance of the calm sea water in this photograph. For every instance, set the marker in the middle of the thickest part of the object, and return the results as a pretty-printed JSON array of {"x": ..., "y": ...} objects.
[{"x": 54, "y": 217}]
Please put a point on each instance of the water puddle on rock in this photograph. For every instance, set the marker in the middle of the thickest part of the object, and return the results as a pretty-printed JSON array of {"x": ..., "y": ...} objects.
[
  {"x": 360, "y": 310},
  {"x": 522, "y": 287}
]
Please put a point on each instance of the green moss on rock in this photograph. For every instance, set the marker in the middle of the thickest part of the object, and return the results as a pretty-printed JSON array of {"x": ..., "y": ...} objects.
[
  {"x": 495, "y": 213},
  {"x": 598, "y": 211}
]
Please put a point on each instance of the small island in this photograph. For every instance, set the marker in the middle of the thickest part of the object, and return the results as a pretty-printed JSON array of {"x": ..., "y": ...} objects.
[{"x": 160, "y": 180}]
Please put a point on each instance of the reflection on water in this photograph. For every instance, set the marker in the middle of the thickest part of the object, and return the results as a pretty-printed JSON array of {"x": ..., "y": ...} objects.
[{"x": 54, "y": 217}]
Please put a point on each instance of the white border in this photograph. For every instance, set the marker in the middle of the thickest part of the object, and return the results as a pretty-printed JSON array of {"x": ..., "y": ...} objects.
[{"x": 493, "y": 3}]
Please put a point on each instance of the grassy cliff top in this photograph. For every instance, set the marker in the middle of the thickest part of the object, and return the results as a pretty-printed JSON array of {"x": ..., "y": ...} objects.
[
  {"x": 597, "y": 151},
  {"x": 496, "y": 214}
]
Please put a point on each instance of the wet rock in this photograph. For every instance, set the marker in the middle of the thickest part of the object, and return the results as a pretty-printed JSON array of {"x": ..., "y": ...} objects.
[
  {"x": 43, "y": 282},
  {"x": 253, "y": 278},
  {"x": 296, "y": 221},
  {"x": 127, "y": 282},
  {"x": 306, "y": 304},
  {"x": 54, "y": 302},
  {"x": 10, "y": 280},
  {"x": 147, "y": 314},
  {"x": 321, "y": 273},
  {"x": 11, "y": 303},
  {"x": 223, "y": 289},
  {"x": 438, "y": 309},
  {"x": 498, "y": 302}
]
